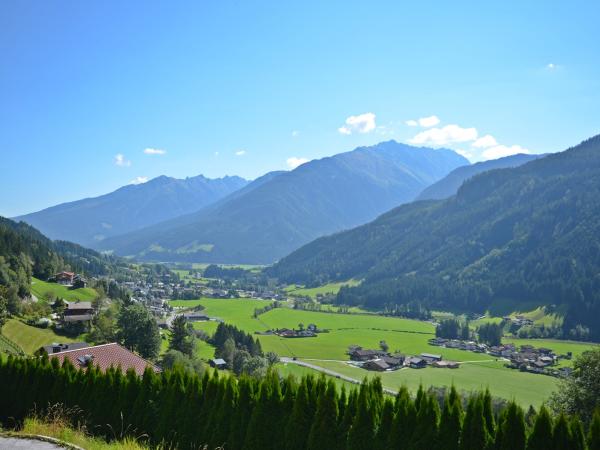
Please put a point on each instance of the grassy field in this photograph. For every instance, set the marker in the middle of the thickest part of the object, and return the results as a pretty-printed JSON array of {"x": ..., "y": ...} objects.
[
  {"x": 526, "y": 388},
  {"x": 40, "y": 288},
  {"x": 331, "y": 288},
  {"x": 29, "y": 338},
  {"x": 408, "y": 336}
]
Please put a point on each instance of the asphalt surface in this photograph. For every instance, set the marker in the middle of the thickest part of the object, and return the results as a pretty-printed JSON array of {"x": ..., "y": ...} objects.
[{"x": 7, "y": 443}]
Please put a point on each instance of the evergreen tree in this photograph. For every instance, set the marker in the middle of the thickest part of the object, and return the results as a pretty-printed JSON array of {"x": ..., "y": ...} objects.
[
  {"x": 561, "y": 436},
  {"x": 541, "y": 435},
  {"x": 180, "y": 337},
  {"x": 426, "y": 428},
  {"x": 474, "y": 434},
  {"x": 593, "y": 439},
  {"x": 300, "y": 421},
  {"x": 385, "y": 425},
  {"x": 242, "y": 413},
  {"x": 322, "y": 434},
  {"x": 511, "y": 429},
  {"x": 404, "y": 421},
  {"x": 450, "y": 422},
  {"x": 362, "y": 432},
  {"x": 577, "y": 434}
]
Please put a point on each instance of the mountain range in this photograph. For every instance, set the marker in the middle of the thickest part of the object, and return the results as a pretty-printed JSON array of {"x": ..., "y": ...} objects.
[
  {"x": 279, "y": 212},
  {"x": 448, "y": 186},
  {"x": 522, "y": 236},
  {"x": 91, "y": 220}
]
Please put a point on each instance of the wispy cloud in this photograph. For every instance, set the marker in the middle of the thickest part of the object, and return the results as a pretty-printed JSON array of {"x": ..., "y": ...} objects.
[
  {"x": 240, "y": 153},
  {"x": 485, "y": 141},
  {"x": 294, "y": 162},
  {"x": 139, "y": 180},
  {"x": 295, "y": 133},
  {"x": 424, "y": 122},
  {"x": 445, "y": 135},
  {"x": 121, "y": 161},
  {"x": 154, "y": 151},
  {"x": 500, "y": 151},
  {"x": 362, "y": 123}
]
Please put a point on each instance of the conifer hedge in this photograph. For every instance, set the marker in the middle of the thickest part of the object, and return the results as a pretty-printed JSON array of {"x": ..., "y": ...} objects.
[{"x": 184, "y": 411}]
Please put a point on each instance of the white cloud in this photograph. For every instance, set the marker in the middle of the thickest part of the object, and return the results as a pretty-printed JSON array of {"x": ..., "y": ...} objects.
[
  {"x": 411, "y": 123},
  {"x": 295, "y": 133},
  {"x": 121, "y": 161},
  {"x": 216, "y": 153},
  {"x": 467, "y": 154},
  {"x": 445, "y": 135},
  {"x": 294, "y": 162},
  {"x": 363, "y": 123},
  {"x": 139, "y": 180},
  {"x": 430, "y": 121},
  {"x": 485, "y": 141},
  {"x": 154, "y": 151},
  {"x": 551, "y": 66},
  {"x": 499, "y": 151},
  {"x": 240, "y": 153}
]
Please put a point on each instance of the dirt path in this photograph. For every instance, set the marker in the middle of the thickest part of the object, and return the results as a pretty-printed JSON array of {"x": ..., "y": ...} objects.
[{"x": 8, "y": 443}]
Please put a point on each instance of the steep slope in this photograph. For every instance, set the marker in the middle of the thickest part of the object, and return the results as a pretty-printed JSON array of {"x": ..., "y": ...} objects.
[
  {"x": 448, "y": 186},
  {"x": 132, "y": 207},
  {"x": 288, "y": 210},
  {"x": 528, "y": 234}
]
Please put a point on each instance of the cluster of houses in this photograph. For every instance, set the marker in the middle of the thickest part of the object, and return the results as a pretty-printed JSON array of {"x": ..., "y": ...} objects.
[
  {"x": 380, "y": 360},
  {"x": 520, "y": 321},
  {"x": 310, "y": 331},
  {"x": 526, "y": 358}
]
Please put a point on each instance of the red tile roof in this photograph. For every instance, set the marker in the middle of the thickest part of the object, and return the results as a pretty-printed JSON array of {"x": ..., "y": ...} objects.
[{"x": 105, "y": 356}]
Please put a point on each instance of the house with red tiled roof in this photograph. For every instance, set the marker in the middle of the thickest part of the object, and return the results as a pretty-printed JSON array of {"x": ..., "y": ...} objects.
[{"x": 105, "y": 356}]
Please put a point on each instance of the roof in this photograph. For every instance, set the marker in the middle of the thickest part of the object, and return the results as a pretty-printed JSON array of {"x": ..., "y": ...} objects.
[
  {"x": 218, "y": 361},
  {"x": 57, "y": 348},
  {"x": 379, "y": 363},
  {"x": 106, "y": 355},
  {"x": 431, "y": 356},
  {"x": 79, "y": 305},
  {"x": 65, "y": 274},
  {"x": 78, "y": 317}
]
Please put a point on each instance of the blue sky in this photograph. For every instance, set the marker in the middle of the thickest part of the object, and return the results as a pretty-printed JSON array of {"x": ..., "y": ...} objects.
[{"x": 242, "y": 88}]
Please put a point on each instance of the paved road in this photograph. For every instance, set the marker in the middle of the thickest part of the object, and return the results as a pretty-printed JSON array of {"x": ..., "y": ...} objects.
[
  {"x": 7, "y": 443},
  {"x": 330, "y": 372}
]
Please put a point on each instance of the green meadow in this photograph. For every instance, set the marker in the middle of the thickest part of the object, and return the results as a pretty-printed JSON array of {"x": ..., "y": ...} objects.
[
  {"x": 29, "y": 338},
  {"x": 331, "y": 288},
  {"x": 41, "y": 289},
  {"x": 526, "y": 388},
  {"x": 328, "y": 350}
]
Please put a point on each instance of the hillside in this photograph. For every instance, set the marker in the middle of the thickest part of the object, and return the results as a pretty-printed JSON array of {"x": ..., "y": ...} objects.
[
  {"x": 448, "y": 186},
  {"x": 132, "y": 207},
  {"x": 277, "y": 215},
  {"x": 527, "y": 234}
]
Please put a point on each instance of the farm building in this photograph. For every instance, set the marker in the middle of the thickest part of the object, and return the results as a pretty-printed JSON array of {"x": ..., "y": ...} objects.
[{"x": 218, "y": 363}]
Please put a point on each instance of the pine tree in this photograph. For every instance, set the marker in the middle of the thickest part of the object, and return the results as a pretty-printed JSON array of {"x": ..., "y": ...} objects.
[
  {"x": 593, "y": 439},
  {"x": 385, "y": 425},
  {"x": 450, "y": 422},
  {"x": 426, "y": 428},
  {"x": 322, "y": 434},
  {"x": 362, "y": 432},
  {"x": 300, "y": 421},
  {"x": 404, "y": 421},
  {"x": 561, "y": 436},
  {"x": 511, "y": 429},
  {"x": 180, "y": 337},
  {"x": 474, "y": 434},
  {"x": 541, "y": 435},
  {"x": 242, "y": 413},
  {"x": 577, "y": 434}
]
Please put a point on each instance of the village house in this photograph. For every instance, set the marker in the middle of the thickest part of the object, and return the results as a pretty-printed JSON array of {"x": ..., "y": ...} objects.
[
  {"x": 445, "y": 364},
  {"x": 218, "y": 363},
  {"x": 430, "y": 358},
  {"x": 105, "y": 356},
  {"x": 78, "y": 312},
  {"x": 378, "y": 365},
  {"x": 65, "y": 278},
  {"x": 415, "y": 363}
]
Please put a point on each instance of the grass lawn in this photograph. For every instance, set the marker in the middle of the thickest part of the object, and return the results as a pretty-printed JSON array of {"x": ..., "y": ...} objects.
[
  {"x": 331, "y": 288},
  {"x": 29, "y": 338},
  {"x": 297, "y": 371},
  {"x": 526, "y": 388},
  {"x": 40, "y": 288}
]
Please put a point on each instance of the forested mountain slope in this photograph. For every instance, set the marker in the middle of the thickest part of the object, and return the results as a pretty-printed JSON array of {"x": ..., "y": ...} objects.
[
  {"x": 129, "y": 208},
  {"x": 526, "y": 234},
  {"x": 290, "y": 209},
  {"x": 448, "y": 186}
]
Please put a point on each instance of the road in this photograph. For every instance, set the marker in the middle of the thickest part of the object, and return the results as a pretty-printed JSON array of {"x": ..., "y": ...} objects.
[
  {"x": 329, "y": 372},
  {"x": 8, "y": 443}
]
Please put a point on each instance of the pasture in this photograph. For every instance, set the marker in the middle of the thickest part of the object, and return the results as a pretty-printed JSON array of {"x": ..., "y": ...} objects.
[
  {"x": 29, "y": 338},
  {"x": 41, "y": 289},
  {"x": 328, "y": 350},
  {"x": 331, "y": 288}
]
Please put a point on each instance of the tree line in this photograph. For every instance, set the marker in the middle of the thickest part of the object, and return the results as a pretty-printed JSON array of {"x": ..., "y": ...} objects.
[{"x": 181, "y": 409}]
